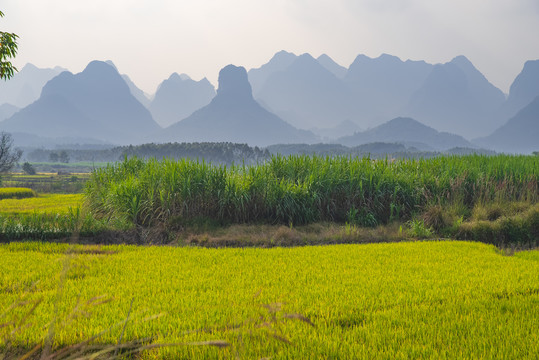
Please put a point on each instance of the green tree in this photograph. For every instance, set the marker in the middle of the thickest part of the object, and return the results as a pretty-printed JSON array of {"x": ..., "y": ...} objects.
[
  {"x": 28, "y": 168},
  {"x": 8, "y": 50}
]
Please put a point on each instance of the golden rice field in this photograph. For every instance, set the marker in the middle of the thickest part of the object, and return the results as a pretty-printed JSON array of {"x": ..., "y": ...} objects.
[
  {"x": 43, "y": 203},
  {"x": 416, "y": 300},
  {"x": 16, "y": 193}
]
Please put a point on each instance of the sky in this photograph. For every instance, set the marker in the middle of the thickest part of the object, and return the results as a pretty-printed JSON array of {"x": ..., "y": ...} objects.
[{"x": 150, "y": 39}]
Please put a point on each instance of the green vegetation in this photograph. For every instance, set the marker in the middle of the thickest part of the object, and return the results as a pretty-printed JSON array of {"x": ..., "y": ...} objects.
[
  {"x": 422, "y": 300},
  {"x": 15, "y": 193},
  {"x": 223, "y": 153},
  {"x": 300, "y": 190}
]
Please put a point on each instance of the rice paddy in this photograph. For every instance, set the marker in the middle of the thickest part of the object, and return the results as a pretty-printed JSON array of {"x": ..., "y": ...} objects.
[
  {"x": 425, "y": 300},
  {"x": 45, "y": 203}
]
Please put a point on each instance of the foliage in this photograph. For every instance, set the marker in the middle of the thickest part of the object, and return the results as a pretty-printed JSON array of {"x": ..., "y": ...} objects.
[
  {"x": 8, "y": 155},
  {"x": 221, "y": 153},
  {"x": 303, "y": 189},
  {"x": 8, "y": 50},
  {"x": 418, "y": 229},
  {"x": 390, "y": 301},
  {"x": 28, "y": 168}
]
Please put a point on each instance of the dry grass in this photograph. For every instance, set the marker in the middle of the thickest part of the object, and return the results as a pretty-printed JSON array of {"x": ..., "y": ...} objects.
[{"x": 287, "y": 236}]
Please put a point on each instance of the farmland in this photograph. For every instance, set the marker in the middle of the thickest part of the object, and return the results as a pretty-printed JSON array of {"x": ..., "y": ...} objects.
[
  {"x": 271, "y": 296},
  {"x": 422, "y": 300}
]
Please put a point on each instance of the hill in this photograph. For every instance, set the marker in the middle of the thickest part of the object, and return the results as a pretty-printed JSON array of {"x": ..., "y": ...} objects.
[
  {"x": 524, "y": 89},
  {"x": 279, "y": 62},
  {"x": 95, "y": 103},
  {"x": 234, "y": 116},
  {"x": 25, "y": 87},
  {"x": 178, "y": 97},
  {"x": 383, "y": 86},
  {"x": 409, "y": 132},
  {"x": 520, "y": 134},
  {"x": 456, "y": 97},
  {"x": 307, "y": 95}
]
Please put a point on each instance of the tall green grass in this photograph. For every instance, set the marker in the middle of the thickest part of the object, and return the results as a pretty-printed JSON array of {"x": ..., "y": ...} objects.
[{"x": 305, "y": 189}]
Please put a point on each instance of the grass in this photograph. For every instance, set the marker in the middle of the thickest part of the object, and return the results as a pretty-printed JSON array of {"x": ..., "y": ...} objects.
[
  {"x": 408, "y": 300},
  {"x": 303, "y": 189}
]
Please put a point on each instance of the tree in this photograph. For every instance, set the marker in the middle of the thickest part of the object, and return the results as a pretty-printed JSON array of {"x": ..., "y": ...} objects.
[
  {"x": 63, "y": 157},
  {"x": 8, "y": 156},
  {"x": 28, "y": 168},
  {"x": 8, "y": 50}
]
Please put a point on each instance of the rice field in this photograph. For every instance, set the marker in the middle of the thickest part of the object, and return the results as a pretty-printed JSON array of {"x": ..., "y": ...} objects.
[
  {"x": 16, "y": 193},
  {"x": 429, "y": 300},
  {"x": 44, "y": 203}
]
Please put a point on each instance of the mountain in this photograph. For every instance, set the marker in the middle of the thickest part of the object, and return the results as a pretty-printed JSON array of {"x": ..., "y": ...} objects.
[
  {"x": 95, "y": 103},
  {"x": 25, "y": 87},
  {"x": 523, "y": 90},
  {"x": 142, "y": 97},
  {"x": 520, "y": 134},
  {"x": 234, "y": 116},
  {"x": 307, "y": 95},
  {"x": 456, "y": 97},
  {"x": 336, "y": 69},
  {"x": 383, "y": 86},
  {"x": 279, "y": 62},
  {"x": 7, "y": 110},
  {"x": 406, "y": 131},
  {"x": 178, "y": 97},
  {"x": 344, "y": 128}
]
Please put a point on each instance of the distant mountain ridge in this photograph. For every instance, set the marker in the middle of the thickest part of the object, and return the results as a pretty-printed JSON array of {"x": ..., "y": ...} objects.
[
  {"x": 518, "y": 134},
  {"x": 95, "y": 103},
  {"x": 234, "y": 116},
  {"x": 178, "y": 97},
  {"x": 409, "y": 132},
  {"x": 25, "y": 87},
  {"x": 456, "y": 97},
  {"x": 307, "y": 95}
]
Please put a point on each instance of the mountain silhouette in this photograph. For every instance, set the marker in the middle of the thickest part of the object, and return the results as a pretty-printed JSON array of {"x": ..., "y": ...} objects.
[
  {"x": 338, "y": 70},
  {"x": 406, "y": 131},
  {"x": 135, "y": 90},
  {"x": 279, "y": 62},
  {"x": 456, "y": 97},
  {"x": 234, "y": 116},
  {"x": 25, "y": 86},
  {"x": 520, "y": 134},
  {"x": 523, "y": 90},
  {"x": 344, "y": 128},
  {"x": 95, "y": 103},
  {"x": 178, "y": 97},
  {"x": 307, "y": 95},
  {"x": 383, "y": 86}
]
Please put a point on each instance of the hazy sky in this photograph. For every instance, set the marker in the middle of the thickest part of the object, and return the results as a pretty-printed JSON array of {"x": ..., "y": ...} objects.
[{"x": 150, "y": 39}]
